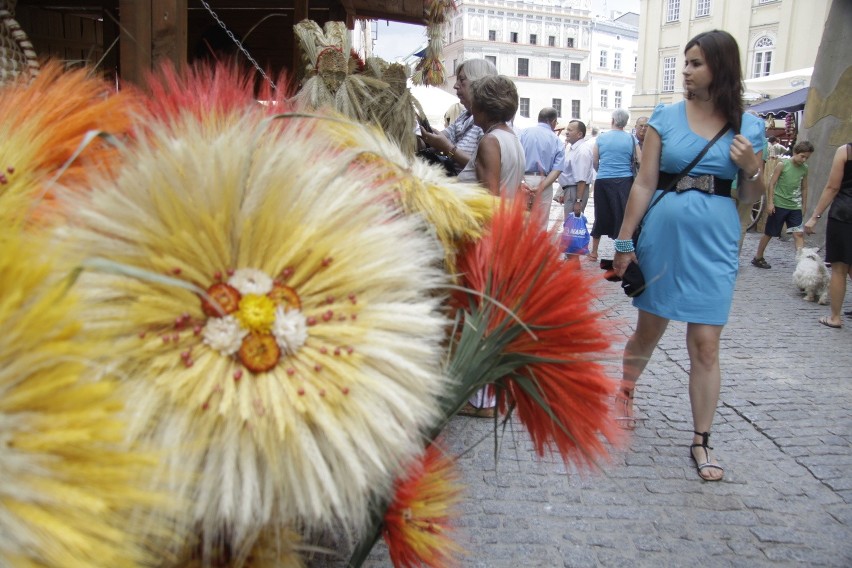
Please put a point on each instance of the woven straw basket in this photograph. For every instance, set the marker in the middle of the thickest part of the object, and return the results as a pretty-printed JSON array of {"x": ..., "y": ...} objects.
[{"x": 17, "y": 56}]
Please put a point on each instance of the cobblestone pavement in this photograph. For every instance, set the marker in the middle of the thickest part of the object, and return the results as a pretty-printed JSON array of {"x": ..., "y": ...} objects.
[{"x": 782, "y": 432}]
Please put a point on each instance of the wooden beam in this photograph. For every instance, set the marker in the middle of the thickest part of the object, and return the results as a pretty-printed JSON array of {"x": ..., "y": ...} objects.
[
  {"x": 168, "y": 31},
  {"x": 135, "y": 39},
  {"x": 300, "y": 12}
]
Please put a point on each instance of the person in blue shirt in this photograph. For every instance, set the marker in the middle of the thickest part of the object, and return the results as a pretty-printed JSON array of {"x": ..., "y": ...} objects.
[
  {"x": 689, "y": 247},
  {"x": 544, "y": 153},
  {"x": 613, "y": 153}
]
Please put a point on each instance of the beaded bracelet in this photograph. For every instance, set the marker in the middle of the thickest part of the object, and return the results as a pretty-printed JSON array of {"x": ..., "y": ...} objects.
[{"x": 624, "y": 245}]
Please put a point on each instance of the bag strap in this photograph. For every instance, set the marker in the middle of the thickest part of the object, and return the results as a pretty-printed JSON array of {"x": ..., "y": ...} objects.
[{"x": 691, "y": 165}]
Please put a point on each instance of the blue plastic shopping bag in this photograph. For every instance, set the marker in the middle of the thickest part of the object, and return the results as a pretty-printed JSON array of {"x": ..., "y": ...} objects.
[{"x": 575, "y": 235}]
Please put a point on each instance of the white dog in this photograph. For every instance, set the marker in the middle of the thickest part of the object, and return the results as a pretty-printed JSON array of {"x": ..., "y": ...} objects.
[{"x": 811, "y": 275}]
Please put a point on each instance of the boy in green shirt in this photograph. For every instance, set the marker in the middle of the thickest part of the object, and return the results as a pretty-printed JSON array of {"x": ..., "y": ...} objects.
[{"x": 789, "y": 181}]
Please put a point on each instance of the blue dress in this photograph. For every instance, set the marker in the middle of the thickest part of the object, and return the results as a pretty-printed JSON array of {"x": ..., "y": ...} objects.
[{"x": 689, "y": 248}]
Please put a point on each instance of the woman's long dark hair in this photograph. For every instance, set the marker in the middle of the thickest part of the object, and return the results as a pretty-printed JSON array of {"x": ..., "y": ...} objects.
[{"x": 722, "y": 54}]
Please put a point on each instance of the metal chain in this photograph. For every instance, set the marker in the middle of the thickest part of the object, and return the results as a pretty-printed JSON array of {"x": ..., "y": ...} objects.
[{"x": 238, "y": 43}]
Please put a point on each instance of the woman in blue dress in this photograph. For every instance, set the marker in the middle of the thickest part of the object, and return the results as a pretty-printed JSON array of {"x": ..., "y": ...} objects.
[{"x": 688, "y": 251}]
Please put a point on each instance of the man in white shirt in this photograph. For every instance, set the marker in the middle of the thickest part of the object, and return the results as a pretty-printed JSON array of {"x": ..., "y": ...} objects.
[{"x": 578, "y": 172}]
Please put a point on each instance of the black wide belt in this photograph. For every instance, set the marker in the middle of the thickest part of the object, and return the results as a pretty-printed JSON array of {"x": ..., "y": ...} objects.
[{"x": 705, "y": 183}]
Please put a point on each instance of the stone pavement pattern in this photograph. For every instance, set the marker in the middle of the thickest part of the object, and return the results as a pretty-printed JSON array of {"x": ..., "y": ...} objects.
[{"x": 782, "y": 432}]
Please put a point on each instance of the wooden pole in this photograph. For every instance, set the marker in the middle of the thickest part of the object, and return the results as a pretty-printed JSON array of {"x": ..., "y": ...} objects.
[{"x": 151, "y": 30}]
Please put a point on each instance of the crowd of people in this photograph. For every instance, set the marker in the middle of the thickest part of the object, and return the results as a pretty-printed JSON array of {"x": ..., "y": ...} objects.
[{"x": 696, "y": 150}]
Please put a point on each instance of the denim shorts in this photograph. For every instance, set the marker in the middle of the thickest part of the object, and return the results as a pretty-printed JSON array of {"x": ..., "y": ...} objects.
[{"x": 793, "y": 218}]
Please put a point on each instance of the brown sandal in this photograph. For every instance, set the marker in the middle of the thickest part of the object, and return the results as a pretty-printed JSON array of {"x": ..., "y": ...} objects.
[
  {"x": 470, "y": 410},
  {"x": 624, "y": 405}
]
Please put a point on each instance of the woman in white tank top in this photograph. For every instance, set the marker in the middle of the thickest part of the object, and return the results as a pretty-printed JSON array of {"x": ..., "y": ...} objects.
[{"x": 498, "y": 161}]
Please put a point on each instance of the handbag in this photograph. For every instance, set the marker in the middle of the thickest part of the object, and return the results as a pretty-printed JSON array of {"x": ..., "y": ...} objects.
[
  {"x": 633, "y": 281},
  {"x": 434, "y": 157},
  {"x": 575, "y": 235}
]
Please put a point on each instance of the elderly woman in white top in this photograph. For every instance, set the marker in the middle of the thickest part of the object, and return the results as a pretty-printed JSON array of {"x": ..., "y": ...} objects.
[
  {"x": 461, "y": 138},
  {"x": 497, "y": 164}
]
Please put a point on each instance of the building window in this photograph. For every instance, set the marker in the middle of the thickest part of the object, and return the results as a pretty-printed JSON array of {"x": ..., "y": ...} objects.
[
  {"x": 702, "y": 8},
  {"x": 551, "y": 41},
  {"x": 455, "y": 65},
  {"x": 575, "y": 108},
  {"x": 570, "y": 42},
  {"x": 523, "y": 67},
  {"x": 513, "y": 37},
  {"x": 557, "y": 104},
  {"x": 763, "y": 49},
  {"x": 555, "y": 70},
  {"x": 668, "y": 74},
  {"x": 672, "y": 11},
  {"x": 616, "y": 61},
  {"x": 617, "y": 99},
  {"x": 765, "y": 1},
  {"x": 492, "y": 35},
  {"x": 604, "y": 98},
  {"x": 492, "y": 59},
  {"x": 524, "y": 107},
  {"x": 635, "y": 64},
  {"x": 603, "y": 59},
  {"x": 575, "y": 71},
  {"x": 533, "y": 39}
]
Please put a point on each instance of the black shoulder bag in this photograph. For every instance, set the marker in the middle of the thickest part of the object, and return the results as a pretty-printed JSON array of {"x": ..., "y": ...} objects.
[{"x": 633, "y": 281}]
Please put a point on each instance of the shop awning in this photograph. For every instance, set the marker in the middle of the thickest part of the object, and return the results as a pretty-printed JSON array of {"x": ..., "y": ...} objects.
[{"x": 779, "y": 107}]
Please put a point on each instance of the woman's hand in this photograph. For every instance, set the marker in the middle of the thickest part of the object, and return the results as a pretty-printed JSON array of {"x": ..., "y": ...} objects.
[
  {"x": 621, "y": 260},
  {"x": 742, "y": 154},
  {"x": 437, "y": 141},
  {"x": 809, "y": 226}
]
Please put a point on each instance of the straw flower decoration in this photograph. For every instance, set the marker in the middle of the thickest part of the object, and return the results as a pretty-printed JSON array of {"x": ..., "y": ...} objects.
[
  {"x": 417, "y": 527},
  {"x": 67, "y": 485},
  {"x": 46, "y": 120},
  {"x": 548, "y": 373},
  {"x": 457, "y": 212},
  {"x": 295, "y": 365}
]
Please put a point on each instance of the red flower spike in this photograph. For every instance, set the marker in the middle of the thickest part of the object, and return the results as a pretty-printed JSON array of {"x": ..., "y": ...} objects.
[
  {"x": 324, "y": 350},
  {"x": 518, "y": 265},
  {"x": 238, "y": 374},
  {"x": 217, "y": 275},
  {"x": 418, "y": 523},
  {"x": 176, "y": 270},
  {"x": 196, "y": 330},
  {"x": 11, "y": 170},
  {"x": 311, "y": 320}
]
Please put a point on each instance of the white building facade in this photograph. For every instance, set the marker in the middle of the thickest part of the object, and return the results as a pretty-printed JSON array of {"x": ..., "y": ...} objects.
[
  {"x": 552, "y": 50},
  {"x": 774, "y": 36}
]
